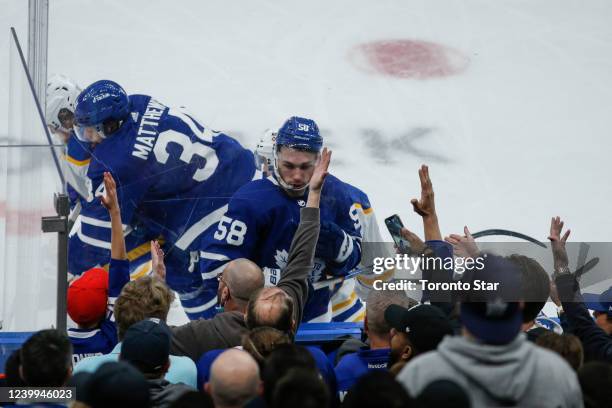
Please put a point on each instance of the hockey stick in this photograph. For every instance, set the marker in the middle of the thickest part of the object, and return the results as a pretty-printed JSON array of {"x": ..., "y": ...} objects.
[
  {"x": 583, "y": 252},
  {"x": 490, "y": 232},
  {"x": 581, "y": 268},
  {"x": 333, "y": 281},
  {"x": 586, "y": 267}
]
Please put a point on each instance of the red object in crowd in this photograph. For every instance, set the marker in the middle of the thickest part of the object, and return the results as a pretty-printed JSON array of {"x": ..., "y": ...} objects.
[{"x": 88, "y": 297}]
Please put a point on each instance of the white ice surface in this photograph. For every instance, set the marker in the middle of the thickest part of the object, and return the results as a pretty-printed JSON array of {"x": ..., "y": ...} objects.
[{"x": 524, "y": 133}]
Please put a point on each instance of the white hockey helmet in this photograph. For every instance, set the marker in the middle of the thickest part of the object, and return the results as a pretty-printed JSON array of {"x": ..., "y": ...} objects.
[
  {"x": 62, "y": 93},
  {"x": 264, "y": 151}
]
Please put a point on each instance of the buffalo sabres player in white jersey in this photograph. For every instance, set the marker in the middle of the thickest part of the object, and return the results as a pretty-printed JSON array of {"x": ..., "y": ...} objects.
[
  {"x": 62, "y": 94},
  {"x": 348, "y": 294}
]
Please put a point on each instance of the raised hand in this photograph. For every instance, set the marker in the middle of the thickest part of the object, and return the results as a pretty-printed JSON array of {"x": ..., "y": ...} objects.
[
  {"x": 109, "y": 199},
  {"x": 320, "y": 172},
  {"x": 417, "y": 246},
  {"x": 111, "y": 203},
  {"x": 425, "y": 207},
  {"x": 464, "y": 246},
  {"x": 157, "y": 259},
  {"x": 557, "y": 242}
]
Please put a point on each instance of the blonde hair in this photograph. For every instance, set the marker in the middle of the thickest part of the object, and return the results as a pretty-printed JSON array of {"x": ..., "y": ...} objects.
[{"x": 142, "y": 299}]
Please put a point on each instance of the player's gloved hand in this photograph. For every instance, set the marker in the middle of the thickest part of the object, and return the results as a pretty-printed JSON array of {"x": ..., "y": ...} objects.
[{"x": 334, "y": 244}]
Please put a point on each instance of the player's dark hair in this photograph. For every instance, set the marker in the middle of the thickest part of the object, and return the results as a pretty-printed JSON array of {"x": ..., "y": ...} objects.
[
  {"x": 298, "y": 148},
  {"x": 110, "y": 126},
  {"x": 46, "y": 359},
  {"x": 535, "y": 285},
  {"x": 284, "y": 358}
]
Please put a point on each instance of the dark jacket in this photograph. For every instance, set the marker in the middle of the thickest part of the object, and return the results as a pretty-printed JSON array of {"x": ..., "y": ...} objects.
[
  {"x": 163, "y": 393},
  {"x": 226, "y": 329},
  {"x": 597, "y": 344}
]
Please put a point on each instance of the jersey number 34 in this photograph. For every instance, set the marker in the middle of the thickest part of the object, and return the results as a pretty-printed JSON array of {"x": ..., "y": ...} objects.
[{"x": 189, "y": 148}]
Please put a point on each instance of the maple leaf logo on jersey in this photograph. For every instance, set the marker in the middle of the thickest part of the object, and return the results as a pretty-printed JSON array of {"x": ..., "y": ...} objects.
[{"x": 281, "y": 258}]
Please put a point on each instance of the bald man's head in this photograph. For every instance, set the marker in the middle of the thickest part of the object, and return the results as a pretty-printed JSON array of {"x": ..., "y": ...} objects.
[
  {"x": 239, "y": 280},
  {"x": 234, "y": 379},
  {"x": 271, "y": 307}
]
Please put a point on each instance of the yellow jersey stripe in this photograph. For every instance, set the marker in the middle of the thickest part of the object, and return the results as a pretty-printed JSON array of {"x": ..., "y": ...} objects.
[
  {"x": 142, "y": 270},
  {"x": 76, "y": 162},
  {"x": 345, "y": 303},
  {"x": 365, "y": 211},
  {"x": 383, "y": 277},
  {"x": 359, "y": 318}
]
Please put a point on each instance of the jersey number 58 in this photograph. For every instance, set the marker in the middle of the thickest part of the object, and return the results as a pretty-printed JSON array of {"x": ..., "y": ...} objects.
[{"x": 231, "y": 231}]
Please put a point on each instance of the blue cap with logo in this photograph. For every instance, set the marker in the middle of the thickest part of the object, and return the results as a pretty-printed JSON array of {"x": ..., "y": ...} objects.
[
  {"x": 494, "y": 317},
  {"x": 599, "y": 302}
]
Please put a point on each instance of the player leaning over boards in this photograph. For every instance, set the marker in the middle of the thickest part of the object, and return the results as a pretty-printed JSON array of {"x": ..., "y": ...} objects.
[
  {"x": 264, "y": 214},
  {"x": 62, "y": 94},
  {"x": 348, "y": 294},
  {"x": 174, "y": 178}
]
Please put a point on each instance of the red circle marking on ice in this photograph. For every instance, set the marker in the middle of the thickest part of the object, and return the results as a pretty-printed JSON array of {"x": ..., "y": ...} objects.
[{"x": 411, "y": 59}]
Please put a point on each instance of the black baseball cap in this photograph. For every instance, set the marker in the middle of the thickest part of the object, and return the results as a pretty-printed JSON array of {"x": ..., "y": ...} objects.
[
  {"x": 425, "y": 325},
  {"x": 147, "y": 344}
]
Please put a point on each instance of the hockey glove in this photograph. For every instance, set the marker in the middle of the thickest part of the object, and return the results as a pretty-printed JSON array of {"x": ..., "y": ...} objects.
[{"x": 334, "y": 244}]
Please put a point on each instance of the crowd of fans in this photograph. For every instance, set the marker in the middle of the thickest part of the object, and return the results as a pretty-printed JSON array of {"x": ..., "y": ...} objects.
[{"x": 468, "y": 350}]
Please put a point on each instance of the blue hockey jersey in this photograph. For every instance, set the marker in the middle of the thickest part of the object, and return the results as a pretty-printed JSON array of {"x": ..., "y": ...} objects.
[
  {"x": 102, "y": 339},
  {"x": 174, "y": 178},
  {"x": 260, "y": 224}
]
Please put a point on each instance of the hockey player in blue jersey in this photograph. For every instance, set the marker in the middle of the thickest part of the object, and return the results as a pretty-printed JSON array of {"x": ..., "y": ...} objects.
[
  {"x": 174, "y": 176},
  {"x": 62, "y": 94},
  {"x": 348, "y": 294},
  {"x": 263, "y": 216}
]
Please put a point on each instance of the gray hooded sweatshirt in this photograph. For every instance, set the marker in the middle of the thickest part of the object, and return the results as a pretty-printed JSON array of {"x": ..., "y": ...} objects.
[{"x": 516, "y": 374}]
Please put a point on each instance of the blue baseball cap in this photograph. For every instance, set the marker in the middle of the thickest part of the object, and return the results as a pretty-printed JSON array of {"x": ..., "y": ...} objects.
[
  {"x": 599, "y": 302},
  {"x": 494, "y": 317}
]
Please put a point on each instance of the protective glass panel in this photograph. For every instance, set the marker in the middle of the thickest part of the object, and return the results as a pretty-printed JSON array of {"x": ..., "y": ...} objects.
[{"x": 29, "y": 177}]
